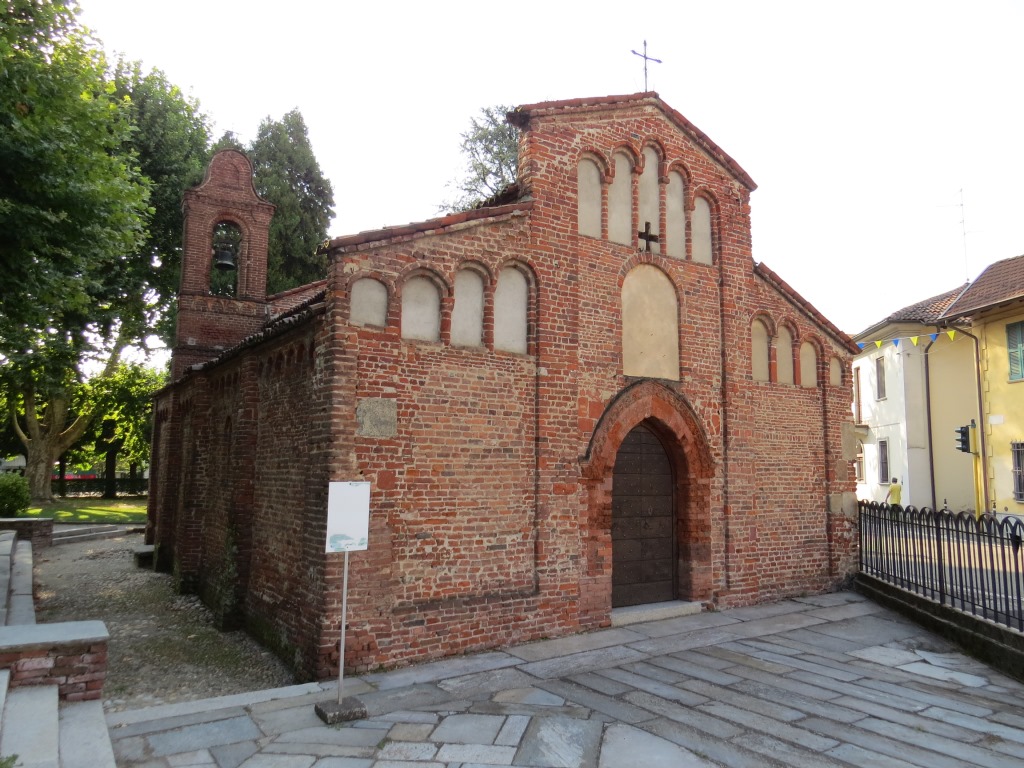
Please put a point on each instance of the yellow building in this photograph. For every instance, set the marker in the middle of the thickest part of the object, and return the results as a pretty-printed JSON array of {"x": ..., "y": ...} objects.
[
  {"x": 991, "y": 313},
  {"x": 913, "y": 385}
]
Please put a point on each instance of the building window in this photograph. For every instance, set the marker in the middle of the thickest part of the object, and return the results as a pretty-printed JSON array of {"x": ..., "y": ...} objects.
[
  {"x": 859, "y": 463},
  {"x": 880, "y": 378},
  {"x": 1017, "y": 449},
  {"x": 858, "y": 413},
  {"x": 883, "y": 461},
  {"x": 1015, "y": 346}
]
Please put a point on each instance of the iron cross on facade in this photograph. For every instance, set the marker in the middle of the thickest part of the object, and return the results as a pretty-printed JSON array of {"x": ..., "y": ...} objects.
[
  {"x": 647, "y": 236},
  {"x": 646, "y": 58}
]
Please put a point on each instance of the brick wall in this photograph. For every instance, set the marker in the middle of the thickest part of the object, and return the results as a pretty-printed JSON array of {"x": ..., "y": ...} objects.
[{"x": 491, "y": 483}]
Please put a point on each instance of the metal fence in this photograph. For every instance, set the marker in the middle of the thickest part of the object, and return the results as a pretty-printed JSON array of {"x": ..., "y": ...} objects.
[
  {"x": 957, "y": 560},
  {"x": 93, "y": 486}
]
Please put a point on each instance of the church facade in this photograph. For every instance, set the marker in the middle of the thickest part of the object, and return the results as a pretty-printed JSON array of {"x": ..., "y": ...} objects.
[{"x": 580, "y": 396}]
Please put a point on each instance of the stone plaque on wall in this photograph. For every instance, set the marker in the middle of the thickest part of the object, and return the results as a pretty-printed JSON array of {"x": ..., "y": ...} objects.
[{"x": 377, "y": 417}]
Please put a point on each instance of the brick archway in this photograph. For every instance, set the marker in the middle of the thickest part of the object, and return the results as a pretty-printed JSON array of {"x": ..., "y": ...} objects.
[{"x": 670, "y": 417}]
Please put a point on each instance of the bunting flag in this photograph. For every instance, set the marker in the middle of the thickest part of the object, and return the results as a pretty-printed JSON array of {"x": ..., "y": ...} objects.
[{"x": 913, "y": 339}]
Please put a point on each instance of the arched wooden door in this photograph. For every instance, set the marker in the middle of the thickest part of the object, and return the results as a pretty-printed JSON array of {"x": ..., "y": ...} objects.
[{"x": 643, "y": 522}]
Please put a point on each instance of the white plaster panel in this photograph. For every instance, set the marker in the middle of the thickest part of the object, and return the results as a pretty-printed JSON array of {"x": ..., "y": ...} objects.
[
  {"x": 369, "y": 302},
  {"x": 620, "y": 202},
  {"x": 701, "y": 231},
  {"x": 808, "y": 365},
  {"x": 784, "y": 356},
  {"x": 421, "y": 310},
  {"x": 588, "y": 198},
  {"x": 650, "y": 197},
  {"x": 759, "y": 351},
  {"x": 468, "y": 312},
  {"x": 511, "y": 297},
  {"x": 675, "y": 215},
  {"x": 650, "y": 324}
]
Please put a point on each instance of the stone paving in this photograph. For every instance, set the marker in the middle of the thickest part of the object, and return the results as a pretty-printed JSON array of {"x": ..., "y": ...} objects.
[{"x": 831, "y": 680}]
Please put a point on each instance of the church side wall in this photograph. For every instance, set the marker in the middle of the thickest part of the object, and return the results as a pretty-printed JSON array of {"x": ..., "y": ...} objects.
[{"x": 447, "y": 436}]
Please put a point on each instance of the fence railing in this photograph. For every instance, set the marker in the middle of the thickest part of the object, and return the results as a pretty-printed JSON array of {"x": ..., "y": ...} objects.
[
  {"x": 91, "y": 486},
  {"x": 974, "y": 565}
]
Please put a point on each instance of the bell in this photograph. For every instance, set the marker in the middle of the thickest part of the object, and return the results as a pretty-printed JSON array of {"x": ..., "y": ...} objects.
[{"x": 224, "y": 259}]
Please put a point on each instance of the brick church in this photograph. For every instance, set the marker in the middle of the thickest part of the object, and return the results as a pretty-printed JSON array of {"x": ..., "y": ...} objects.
[{"x": 582, "y": 395}]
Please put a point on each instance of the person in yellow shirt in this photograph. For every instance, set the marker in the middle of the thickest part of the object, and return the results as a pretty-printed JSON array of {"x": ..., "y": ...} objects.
[{"x": 895, "y": 495}]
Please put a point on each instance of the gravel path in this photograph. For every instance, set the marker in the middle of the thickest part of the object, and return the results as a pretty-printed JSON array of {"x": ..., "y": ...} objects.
[{"x": 163, "y": 646}]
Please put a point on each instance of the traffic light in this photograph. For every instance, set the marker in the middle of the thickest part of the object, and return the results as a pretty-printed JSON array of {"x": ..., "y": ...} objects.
[{"x": 963, "y": 439}]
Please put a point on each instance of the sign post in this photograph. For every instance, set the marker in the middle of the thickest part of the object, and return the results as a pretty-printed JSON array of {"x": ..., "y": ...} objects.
[{"x": 348, "y": 526}]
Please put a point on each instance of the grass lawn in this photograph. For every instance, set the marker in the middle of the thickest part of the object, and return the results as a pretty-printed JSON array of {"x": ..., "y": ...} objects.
[{"x": 130, "y": 510}]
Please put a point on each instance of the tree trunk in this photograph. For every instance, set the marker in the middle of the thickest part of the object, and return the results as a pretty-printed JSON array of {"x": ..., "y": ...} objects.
[
  {"x": 38, "y": 470},
  {"x": 62, "y": 477}
]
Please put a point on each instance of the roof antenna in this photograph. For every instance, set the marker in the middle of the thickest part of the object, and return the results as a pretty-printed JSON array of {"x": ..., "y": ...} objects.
[
  {"x": 963, "y": 227},
  {"x": 646, "y": 58}
]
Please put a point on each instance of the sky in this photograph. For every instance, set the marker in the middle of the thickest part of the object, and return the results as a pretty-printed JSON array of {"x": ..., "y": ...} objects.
[{"x": 885, "y": 137}]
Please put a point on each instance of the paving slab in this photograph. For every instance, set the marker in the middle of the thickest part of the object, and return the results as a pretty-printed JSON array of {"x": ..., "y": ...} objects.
[
  {"x": 468, "y": 729},
  {"x": 440, "y": 670},
  {"x": 623, "y": 744},
  {"x": 573, "y": 644},
  {"x": 560, "y": 742},
  {"x": 823, "y": 682}
]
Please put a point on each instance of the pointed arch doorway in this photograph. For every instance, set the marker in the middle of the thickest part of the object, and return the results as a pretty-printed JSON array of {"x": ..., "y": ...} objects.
[{"x": 643, "y": 528}]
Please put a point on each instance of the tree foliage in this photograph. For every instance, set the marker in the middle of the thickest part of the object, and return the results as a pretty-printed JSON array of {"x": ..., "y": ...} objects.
[
  {"x": 170, "y": 143},
  {"x": 78, "y": 238},
  {"x": 491, "y": 147},
  {"x": 288, "y": 175}
]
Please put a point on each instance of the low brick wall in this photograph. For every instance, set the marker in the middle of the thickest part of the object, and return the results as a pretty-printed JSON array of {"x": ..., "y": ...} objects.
[
  {"x": 38, "y": 530},
  {"x": 71, "y": 655}
]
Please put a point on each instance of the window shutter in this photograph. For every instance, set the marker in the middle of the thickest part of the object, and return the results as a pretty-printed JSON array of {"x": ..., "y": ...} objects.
[{"x": 1015, "y": 346}]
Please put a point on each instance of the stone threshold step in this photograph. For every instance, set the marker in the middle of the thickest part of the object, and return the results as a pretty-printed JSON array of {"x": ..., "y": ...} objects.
[{"x": 635, "y": 614}]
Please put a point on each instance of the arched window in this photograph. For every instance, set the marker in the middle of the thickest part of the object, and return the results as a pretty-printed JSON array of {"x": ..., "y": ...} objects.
[
  {"x": 650, "y": 324},
  {"x": 226, "y": 250},
  {"x": 620, "y": 201},
  {"x": 759, "y": 344},
  {"x": 421, "y": 310},
  {"x": 675, "y": 216},
  {"x": 835, "y": 372},
  {"x": 468, "y": 312},
  {"x": 702, "y": 231},
  {"x": 784, "y": 356},
  {"x": 368, "y": 304},
  {"x": 588, "y": 198},
  {"x": 511, "y": 301},
  {"x": 650, "y": 197},
  {"x": 808, "y": 365}
]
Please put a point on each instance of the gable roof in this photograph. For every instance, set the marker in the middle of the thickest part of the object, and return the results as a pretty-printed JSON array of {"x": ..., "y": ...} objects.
[
  {"x": 927, "y": 312},
  {"x": 999, "y": 283},
  {"x": 521, "y": 117},
  {"x": 804, "y": 305}
]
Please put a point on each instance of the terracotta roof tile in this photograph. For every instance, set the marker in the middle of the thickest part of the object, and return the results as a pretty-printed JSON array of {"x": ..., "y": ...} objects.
[
  {"x": 999, "y": 283},
  {"x": 431, "y": 225}
]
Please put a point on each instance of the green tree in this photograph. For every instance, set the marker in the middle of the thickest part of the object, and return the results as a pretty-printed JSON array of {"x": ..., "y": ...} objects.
[
  {"x": 122, "y": 404},
  {"x": 72, "y": 217},
  {"x": 170, "y": 141},
  {"x": 491, "y": 147},
  {"x": 288, "y": 175}
]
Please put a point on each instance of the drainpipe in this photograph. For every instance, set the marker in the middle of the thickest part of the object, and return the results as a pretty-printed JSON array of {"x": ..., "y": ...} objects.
[
  {"x": 982, "y": 448},
  {"x": 928, "y": 412},
  {"x": 727, "y": 534}
]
